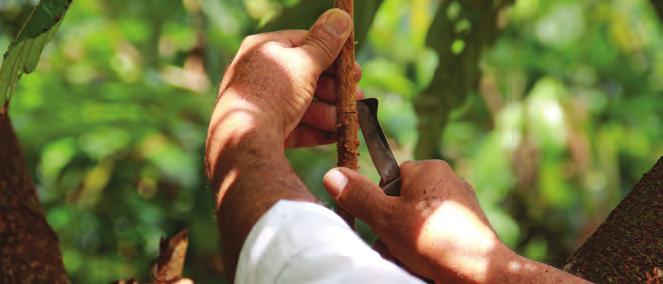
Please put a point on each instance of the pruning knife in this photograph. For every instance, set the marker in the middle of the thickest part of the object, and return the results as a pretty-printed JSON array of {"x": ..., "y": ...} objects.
[{"x": 378, "y": 147}]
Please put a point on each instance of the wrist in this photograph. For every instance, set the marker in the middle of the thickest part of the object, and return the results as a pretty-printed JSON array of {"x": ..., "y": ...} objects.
[
  {"x": 514, "y": 268},
  {"x": 493, "y": 264},
  {"x": 237, "y": 117},
  {"x": 509, "y": 267},
  {"x": 235, "y": 129}
]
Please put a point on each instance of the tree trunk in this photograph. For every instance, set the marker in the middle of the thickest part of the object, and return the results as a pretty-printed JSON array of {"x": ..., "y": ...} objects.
[
  {"x": 628, "y": 246},
  {"x": 658, "y": 8},
  {"x": 29, "y": 250},
  {"x": 458, "y": 72}
]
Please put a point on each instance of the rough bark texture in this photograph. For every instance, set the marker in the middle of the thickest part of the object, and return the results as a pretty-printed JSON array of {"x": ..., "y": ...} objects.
[
  {"x": 29, "y": 250},
  {"x": 346, "y": 120},
  {"x": 628, "y": 246}
]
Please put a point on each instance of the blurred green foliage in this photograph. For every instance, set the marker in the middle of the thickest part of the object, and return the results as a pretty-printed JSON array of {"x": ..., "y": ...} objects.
[{"x": 563, "y": 120}]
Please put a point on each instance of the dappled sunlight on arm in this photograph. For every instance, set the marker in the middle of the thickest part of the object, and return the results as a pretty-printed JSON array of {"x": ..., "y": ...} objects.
[{"x": 444, "y": 221}]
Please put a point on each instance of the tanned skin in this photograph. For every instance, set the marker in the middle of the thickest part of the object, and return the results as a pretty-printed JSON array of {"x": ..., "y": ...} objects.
[
  {"x": 279, "y": 92},
  {"x": 265, "y": 104},
  {"x": 436, "y": 228}
]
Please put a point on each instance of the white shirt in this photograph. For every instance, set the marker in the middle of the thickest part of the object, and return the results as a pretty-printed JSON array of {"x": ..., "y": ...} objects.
[{"x": 302, "y": 242}]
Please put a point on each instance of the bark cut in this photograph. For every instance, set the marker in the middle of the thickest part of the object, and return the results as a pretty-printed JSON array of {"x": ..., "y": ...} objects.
[
  {"x": 346, "y": 119},
  {"x": 29, "y": 251},
  {"x": 628, "y": 246}
]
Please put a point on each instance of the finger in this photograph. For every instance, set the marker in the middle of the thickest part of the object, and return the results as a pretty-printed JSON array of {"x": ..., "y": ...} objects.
[
  {"x": 307, "y": 136},
  {"x": 381, "y": 248},
  {"x": 321, "y": 115},
  {"x": 325, "y": 40},
  {"x": 358, "y": 195},
  {"x": 326, "y": 90},
  {"x": 412, "y": 168},
  {"x": 414, "y": 171},
  {"x": 358, "y": 71},
  {"x": 288, "y": 38},
  {"x": 360, "y": 94},
  {"x": 407, "y": 168}
]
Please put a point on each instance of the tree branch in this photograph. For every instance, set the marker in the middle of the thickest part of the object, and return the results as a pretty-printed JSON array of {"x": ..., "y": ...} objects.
[{"x": 346, "y": 119}]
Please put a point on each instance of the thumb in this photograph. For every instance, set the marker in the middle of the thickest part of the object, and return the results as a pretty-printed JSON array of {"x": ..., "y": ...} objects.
[
  {"x": 356, "y": 194},
  {"x": 326, "y": 38}
]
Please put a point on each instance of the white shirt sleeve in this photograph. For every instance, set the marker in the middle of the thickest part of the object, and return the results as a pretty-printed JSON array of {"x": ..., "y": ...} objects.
[{"x": 301, "y": 242}]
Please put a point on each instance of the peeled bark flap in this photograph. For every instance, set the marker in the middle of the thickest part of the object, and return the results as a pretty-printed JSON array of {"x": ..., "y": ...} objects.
[
  {"x": 170, "y": 264},
  {"x": 628, "y": 246}
]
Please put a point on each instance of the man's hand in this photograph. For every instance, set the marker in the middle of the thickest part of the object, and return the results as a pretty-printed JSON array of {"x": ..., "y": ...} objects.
[
  {"x": 274, "y": 77},
  {"x": 436, "y": 228},
  {"x": 262, "y": 107}
]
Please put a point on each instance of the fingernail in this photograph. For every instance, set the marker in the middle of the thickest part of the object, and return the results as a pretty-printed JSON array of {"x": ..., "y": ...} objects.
[
  {"x": 336, "y": 182},
  {"x": 337, "y": 23}
]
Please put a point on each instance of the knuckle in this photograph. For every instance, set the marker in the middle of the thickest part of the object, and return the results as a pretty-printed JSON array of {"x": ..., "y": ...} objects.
[
  {"x": 266, "y": 48},
  {"x": 442, "y": 164},
  {"x": 320, "y": 43},
  {"x": 407, "y": 167},
  {"x": 250, "y": 39},
  {"x": 468, "y": 187},
  {"x": 434, "y": 165}
]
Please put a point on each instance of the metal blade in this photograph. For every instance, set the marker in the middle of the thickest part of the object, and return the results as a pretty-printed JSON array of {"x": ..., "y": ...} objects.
[{"x": 378, "y": 147}]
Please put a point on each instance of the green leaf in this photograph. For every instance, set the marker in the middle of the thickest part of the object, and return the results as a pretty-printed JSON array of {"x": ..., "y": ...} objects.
[
  {"x": 23, "y": 53},
  {"x": 459, "y": 33}
]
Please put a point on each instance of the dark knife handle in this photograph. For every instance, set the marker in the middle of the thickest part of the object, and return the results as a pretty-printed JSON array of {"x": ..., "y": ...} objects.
[{"x": 393, "y": 188}]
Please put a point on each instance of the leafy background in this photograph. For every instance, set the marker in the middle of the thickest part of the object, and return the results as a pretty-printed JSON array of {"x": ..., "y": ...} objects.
[{"x": 551, "y": 109}]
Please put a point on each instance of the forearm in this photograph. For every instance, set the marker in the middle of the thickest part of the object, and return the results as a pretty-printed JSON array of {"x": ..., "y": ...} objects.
[
  {"x": 501, "y": 265},
  {"x": 522, "y": 270},
  {"x": 249, "y": 175},
  {"x": 509, "y": 267}
]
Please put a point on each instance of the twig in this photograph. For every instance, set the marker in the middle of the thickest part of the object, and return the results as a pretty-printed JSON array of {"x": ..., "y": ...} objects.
[{"x": 346, "y": 119}]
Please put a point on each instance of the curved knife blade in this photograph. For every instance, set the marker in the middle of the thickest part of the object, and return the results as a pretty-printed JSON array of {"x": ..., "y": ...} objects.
[{"x": 378, "y": 147}]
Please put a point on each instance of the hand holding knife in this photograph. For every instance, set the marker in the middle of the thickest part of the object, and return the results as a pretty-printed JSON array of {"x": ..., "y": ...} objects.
[{"x": 381, "y": 155}]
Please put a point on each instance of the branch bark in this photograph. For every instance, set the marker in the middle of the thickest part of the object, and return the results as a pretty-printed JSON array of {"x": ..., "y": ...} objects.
[
  {"x": 29, "y": 251},
  {"x": 628, "y": 246},
  {"x": 346, "y": 119}
]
